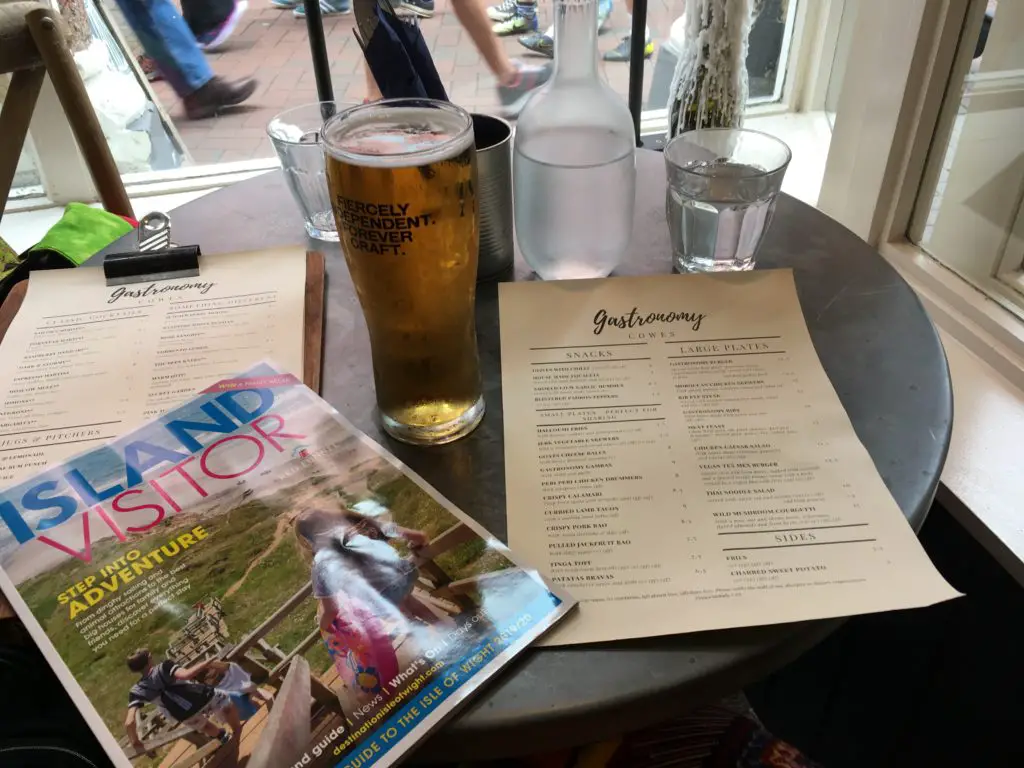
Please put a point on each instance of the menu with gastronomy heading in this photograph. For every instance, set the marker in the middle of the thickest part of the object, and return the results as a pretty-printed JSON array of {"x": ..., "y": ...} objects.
[
  {"x": 84, "y": 362},
  {"x": 677, "y": 458}
]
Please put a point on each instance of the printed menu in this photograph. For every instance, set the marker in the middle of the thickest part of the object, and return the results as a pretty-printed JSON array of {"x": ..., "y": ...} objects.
[
  {"x": 677, "y": 458},
  {"x": 84, "y": 362}
]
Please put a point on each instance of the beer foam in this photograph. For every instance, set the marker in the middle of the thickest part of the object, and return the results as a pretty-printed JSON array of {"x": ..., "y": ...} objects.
[{"x": 396, "y": 136}]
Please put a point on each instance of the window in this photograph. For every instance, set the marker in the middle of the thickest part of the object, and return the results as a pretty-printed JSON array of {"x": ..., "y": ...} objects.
[
  {"x": 926, "y": 161},
  {"x": 140, "y": 137},
  {"x": 768, "y": 54},
  {"x": 135, "y": 127},
  {"x": 970, "y": 212},
  {"x": 155, "y": 146},
  {"x": 847, "y": 15}
]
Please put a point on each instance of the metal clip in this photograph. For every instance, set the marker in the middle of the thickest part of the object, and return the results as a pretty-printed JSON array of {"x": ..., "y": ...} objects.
[{"x": 154, "y": 231}]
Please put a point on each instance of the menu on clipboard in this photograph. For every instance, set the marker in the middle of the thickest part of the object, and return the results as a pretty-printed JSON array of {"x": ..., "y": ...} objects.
[{"x": 84, "y": 361}]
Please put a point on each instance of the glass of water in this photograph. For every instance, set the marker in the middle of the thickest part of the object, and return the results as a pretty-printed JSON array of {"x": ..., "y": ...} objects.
[
  {"x": 722, "y": 185},
  {"x": 295, "y": 134}
]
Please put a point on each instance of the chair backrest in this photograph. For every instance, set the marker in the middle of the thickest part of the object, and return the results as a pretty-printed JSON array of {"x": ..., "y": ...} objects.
[{"x": 17, "y": 49}]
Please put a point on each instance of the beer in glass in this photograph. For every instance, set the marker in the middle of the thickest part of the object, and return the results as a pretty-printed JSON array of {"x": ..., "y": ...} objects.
[{"x": 402, "y": 178}]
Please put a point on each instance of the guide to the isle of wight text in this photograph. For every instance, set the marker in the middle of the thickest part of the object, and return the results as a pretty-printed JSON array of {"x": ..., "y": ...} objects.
[{"x": 678, "y": 459}]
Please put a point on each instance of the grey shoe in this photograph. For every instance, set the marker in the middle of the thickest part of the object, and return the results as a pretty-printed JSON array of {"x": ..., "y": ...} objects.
[
  {"x": 540, "y": 43},
  {"x": 514, "y": 97},
  {"x": 622, "y": 51}
]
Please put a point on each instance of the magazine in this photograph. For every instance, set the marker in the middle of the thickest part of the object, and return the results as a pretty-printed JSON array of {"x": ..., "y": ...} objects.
[{"x": 198, "y": 582}]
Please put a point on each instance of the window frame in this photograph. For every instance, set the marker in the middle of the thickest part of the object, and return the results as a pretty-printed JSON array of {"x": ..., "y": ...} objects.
[
  {"x": 808, "y": 50},
  {"x": 1003, "y": 278},
  {"x": 64, "y": 175},
  {"x": 1011, "y": 267},
  {"x": 825, "y": 24},
  {"x": 888, "y": 118},
  {"x": 797, "y": 10}
]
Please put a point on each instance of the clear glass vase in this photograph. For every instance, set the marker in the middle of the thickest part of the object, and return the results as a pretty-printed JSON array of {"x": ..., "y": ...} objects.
[{"x": 574, "y": 166}]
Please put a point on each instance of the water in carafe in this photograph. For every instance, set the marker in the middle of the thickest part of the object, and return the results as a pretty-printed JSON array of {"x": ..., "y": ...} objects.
[{"x": 574, "y": 161}]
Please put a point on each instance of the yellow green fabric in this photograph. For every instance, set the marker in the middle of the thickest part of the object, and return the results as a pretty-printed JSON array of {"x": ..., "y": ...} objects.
[{"x": 83, "y": 231}]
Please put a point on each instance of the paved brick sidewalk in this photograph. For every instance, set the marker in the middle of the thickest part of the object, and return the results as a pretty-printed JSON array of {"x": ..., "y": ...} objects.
[{"x": 271, "y": 45}]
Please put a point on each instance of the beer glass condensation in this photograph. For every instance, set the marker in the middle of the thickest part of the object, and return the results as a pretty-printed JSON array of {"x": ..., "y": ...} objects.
[{"x": 402, "y": 178}]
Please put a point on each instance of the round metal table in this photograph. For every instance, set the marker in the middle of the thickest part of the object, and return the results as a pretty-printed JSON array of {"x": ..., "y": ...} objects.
[{"x": 881, "y": 353}]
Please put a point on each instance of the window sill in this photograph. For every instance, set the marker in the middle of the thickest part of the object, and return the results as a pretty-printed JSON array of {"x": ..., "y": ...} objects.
[
  {"x": 982, "y": 482},
  {"x": 984, "y": 324}
]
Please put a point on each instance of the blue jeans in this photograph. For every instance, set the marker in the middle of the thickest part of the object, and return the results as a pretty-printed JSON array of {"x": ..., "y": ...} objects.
[{"x": 167, "y": 39}]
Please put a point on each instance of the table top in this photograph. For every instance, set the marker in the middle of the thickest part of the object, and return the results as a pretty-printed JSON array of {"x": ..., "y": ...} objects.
[{"x": 877, "y": 345}]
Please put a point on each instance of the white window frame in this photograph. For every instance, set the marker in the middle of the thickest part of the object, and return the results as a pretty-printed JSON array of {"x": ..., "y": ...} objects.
[
  {"x": 903, "y": 57},
  {"x": 1003, "y": 278},
  {"x": 1011, "y": 268},
  {"x": 820, "y": 51},
  {"x": 779, "y": 91},
  {"x": 62, "y": 170}
]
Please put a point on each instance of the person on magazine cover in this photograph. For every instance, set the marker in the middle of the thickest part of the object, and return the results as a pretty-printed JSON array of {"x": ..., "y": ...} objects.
[
  {"x": 230, "y": 678},
  {"x": 364, "y": 588},
  {"x": 176, "y": 692}
]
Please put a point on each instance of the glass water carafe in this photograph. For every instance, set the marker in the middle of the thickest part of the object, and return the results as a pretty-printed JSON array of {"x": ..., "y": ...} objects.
[{"x": 574, "y": 164}]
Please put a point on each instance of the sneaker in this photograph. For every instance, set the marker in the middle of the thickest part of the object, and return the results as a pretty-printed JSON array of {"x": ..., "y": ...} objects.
[
  {"x": 513, "y": 97},
  {"x": 285, "y": 5},
  {"x": 503, "y": 12},
  {"x": 621, "y": 51},
  {"x": 539, "y": 42},
  {"x": 327, "y": 8},
  {"x": 149, "y": 68},
  {"x": 422, "y": 8},
  {"x": 516, "y": 24},
  {"x": 543, "y": 43},
  {"x": 215, "y": 38},
  {"x": 217, "y": 95}
]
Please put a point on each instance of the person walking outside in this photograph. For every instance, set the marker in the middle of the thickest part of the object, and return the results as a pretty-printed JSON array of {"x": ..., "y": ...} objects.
[
  {"x": 167, "y": 39},
  {"x": 513, "y": 17},
  {"x": 424, "y": 9},
  {"x": 213, "y": 21},
  {"x": 516, "y": 79}
]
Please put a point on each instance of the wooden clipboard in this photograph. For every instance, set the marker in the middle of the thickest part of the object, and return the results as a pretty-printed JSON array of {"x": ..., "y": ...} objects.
[{"x": 313, "y": 321}]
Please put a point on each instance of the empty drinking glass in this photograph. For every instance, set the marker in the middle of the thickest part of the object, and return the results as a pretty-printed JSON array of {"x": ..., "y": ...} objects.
[
  {"x": 295, "y": 134},
  {"x": 722, "y": 185}
]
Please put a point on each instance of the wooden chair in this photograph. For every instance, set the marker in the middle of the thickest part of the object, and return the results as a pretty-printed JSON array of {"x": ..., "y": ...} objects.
[{"x": 32, "y": 44}]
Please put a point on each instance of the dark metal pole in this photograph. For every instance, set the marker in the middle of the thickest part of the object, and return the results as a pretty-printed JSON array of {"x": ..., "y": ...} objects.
[
  {"x": 637, "y": 43},
  {"x": 318, "y": 49}
]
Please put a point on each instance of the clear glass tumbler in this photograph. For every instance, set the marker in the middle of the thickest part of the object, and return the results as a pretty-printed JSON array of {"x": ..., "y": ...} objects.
[
  {"x": 295, "y": 134},
  {"x": 722, "y": 185}
]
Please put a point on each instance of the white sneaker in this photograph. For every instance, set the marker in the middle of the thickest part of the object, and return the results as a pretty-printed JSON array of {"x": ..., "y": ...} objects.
[{"x": 503, "y": 11}]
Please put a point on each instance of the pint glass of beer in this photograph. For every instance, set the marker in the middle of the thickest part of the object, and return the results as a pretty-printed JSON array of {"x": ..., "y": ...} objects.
[{"x": 402, "y": 178}]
